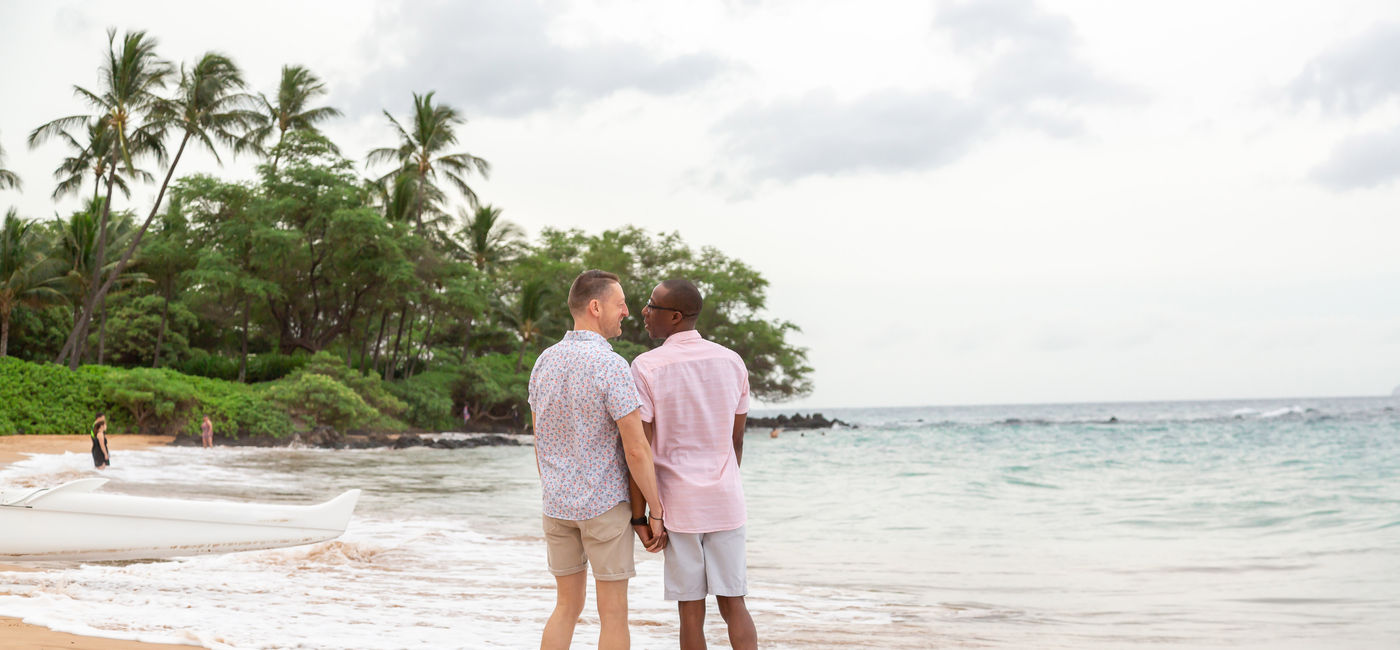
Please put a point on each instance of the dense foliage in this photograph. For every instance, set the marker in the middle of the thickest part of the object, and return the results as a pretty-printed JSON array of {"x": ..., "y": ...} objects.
[{"x": 311, "y": 292}]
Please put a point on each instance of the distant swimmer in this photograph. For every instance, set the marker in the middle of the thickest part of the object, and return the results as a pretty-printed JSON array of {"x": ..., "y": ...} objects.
[{"x": 774, "y": 433}]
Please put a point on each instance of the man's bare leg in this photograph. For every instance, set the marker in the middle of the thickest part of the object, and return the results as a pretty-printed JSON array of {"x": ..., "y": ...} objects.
[
  {"x": 742, "y": 635},
  {"x": 612, "y": 615},
  {"x": 569, "y": 594},
  {"x": 692, "y": 624}
]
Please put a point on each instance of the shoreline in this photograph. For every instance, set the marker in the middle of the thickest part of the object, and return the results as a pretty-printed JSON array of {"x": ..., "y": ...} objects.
[{"x": 15, "y": 631}]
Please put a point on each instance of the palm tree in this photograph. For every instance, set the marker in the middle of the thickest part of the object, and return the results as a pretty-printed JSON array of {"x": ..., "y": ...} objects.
[
  {"x": 209, "y": 105},
  {"x": 421, "y": 154},
  {"x": 290, "y": 112},
  {"x": 7, "y": 178},
  {"x": 131, "y": 78},
  {"x": 528, "y": 316},
  {"x": 75, "y": 254},
  {"x": 489, "y": 238},
  {"x": 26, "y": 276},
  {"x": 94, "y": 159}
]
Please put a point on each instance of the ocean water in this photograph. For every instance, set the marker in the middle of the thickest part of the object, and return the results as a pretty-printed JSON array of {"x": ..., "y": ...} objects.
[{"x": 1250, "y": 524}]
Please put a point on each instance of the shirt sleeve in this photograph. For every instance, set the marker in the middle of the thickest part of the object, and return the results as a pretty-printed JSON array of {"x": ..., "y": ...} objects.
[
  {"x": 644, "y": 393},
  {"x": 618, "y": 390},
  {"x": 530, "y": 395},
  {"x": 743, "y": 406}
]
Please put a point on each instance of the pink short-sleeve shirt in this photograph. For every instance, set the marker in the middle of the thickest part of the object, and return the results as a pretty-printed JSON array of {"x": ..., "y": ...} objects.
[{"x": 691, "y": 389}]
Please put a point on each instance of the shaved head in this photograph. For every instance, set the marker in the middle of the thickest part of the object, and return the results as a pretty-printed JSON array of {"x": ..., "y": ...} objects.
[{"x": 683, "y": 295}]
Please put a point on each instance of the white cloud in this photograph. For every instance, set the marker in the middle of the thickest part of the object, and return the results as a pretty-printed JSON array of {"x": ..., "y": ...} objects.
[{"x": 1362, "y": 161}]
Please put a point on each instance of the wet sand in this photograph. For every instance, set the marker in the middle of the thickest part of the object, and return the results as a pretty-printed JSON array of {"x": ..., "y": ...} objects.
[{"x": 15, "y": 633}]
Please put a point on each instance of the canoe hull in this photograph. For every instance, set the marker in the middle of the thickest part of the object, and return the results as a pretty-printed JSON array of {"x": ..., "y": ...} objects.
[{"x": 76, "y": 524}]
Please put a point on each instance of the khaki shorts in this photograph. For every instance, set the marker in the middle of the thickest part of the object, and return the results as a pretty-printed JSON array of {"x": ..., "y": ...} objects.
[
  {"x": 605, "y": 541},
  {"x": 701, "y": 564}
]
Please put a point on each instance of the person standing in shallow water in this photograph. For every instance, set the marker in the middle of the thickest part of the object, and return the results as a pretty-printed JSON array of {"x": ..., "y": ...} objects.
[
  {"x": 588, "y": 437},
  {"x": 206, "y": 432},
  {"x": 695, "y": 404},
  {"x": 101, "y": 455}
]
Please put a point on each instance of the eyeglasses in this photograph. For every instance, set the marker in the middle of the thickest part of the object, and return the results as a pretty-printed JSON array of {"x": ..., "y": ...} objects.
[{"x": 656, "y": 307}]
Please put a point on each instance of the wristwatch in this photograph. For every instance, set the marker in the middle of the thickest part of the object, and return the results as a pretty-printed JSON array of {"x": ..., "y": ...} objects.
[{"x": 639, "y": 521}]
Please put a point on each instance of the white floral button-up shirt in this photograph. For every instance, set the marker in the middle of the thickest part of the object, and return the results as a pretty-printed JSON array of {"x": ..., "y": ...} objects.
[{"x": 579, "y": 388}]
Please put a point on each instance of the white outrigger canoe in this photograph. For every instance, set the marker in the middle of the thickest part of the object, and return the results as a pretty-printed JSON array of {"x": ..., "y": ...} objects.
[{"x": 72, "y": 522}]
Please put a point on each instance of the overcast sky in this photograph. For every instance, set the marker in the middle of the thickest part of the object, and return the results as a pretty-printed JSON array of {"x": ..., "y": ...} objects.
[{"x": 998, "y": 201}]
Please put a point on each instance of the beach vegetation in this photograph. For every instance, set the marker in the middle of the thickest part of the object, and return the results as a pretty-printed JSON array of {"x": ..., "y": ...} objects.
[{"x": 386, "y": 283}]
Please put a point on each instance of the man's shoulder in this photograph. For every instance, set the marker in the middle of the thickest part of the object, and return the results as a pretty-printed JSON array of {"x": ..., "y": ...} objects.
[
  {"x": 724, "y": 352},
  {"x": 648, "y": 358}
]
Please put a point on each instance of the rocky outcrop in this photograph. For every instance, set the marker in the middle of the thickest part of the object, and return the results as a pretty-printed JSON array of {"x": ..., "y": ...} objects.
[{"x": 795, "y": 421}]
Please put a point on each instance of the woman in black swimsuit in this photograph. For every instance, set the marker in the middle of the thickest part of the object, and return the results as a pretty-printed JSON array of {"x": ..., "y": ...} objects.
[{"x": 101, "y": 455}]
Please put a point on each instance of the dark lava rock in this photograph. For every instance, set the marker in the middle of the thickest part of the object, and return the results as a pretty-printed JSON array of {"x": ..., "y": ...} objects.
[{"x": 796, "y": 421}]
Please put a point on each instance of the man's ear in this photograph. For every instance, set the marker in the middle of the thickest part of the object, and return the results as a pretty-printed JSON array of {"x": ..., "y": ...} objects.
[{"x": 595, "y": 308}]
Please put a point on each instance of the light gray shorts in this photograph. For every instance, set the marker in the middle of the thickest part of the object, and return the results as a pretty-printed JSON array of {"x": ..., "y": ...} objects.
[{"x": 701, "y": 564}]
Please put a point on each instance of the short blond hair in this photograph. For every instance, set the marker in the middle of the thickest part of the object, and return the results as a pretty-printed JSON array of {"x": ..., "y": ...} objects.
[{"x": 588, "y": 286}]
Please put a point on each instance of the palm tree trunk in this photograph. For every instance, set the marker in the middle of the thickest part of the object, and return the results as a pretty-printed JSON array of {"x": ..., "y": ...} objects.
[
  {"x": 243, "y": 357},
  {"x": 160, "y": 334},
  {"x": 102, "y": 332},
  {"x": 364, "y": 342},
  {"x": 520, "y": 358},
  {"x": 379, "y": 340},
  {"x": 394, "y": 360},
  {"x": 4, "y": 332},
  {"x": 130, "y": 249},
  {"x": 71, "y": 348}
]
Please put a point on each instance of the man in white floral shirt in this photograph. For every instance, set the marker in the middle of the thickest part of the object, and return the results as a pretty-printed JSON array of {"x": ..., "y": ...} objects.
[{"x": 588, "y": 435}]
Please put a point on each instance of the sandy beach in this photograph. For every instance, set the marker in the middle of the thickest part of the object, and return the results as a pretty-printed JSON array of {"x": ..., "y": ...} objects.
[{"x": 15, "y": 633}]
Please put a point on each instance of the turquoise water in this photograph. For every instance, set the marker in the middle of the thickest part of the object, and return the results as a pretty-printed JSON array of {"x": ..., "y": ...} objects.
[
  {"x": 1263, "y": 523},
  {"x": 1259, "y": 524}
]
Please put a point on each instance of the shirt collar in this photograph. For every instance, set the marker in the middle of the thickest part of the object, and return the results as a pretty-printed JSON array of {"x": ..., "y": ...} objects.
[
  {"x": 682, "y": 337},
  {"x": 585, "y": 336}
]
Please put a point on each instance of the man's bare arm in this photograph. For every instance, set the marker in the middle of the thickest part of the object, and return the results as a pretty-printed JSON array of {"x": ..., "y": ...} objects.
[
  {"x": 638, "y": 505},
  {"x": 639, "y": 464},
  {"x": 740, "y": 422}
]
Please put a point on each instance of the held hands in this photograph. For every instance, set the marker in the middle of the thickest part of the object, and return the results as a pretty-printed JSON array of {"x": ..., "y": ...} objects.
[{"x": 652, "y": 535}]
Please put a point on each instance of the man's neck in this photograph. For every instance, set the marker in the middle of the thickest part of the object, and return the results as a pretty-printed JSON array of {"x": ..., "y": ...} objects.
[{"x": 594, "y": 327}]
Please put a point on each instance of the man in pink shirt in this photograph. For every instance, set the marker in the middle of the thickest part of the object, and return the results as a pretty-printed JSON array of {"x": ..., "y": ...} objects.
[{"x": 694, "y": 403}]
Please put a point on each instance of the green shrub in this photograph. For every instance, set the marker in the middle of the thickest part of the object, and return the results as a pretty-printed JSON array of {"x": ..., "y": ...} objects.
[
  {"x": 203, "y": 364},
  {"x": 428, "y": 397},
  {"x": 323, "y": 400},
  {"x": 490, "y": 383},
  {"x": 237, "y": 410},
  {"x": 43, "y": 398},
  {"x": 273, "y": 366},
  {"x": 158, "y": 400},
  {"x": 370, "y": 388}
]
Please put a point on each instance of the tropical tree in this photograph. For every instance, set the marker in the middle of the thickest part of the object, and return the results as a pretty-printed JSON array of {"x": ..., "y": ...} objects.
[
  {"x": 75, "y": 252},
  {"x": 489, "y": 238},
  {"x": 166, "y": 259},
  {"x": 26, "y": 276},
  {"x": 528, "y": 314},
  {"x": 290, "y": 111},
  {"x": 8, "y": 178},
  {"x": 421, "y": 155},
  {"x": 131, "y": 78},
  {"x": 209, "y": 105},
  {"x": 96, "y": 160}
]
